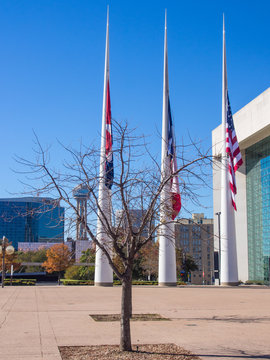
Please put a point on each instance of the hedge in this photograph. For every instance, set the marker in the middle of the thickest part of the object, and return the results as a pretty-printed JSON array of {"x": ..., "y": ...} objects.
[
  {"x": 77, "y": 282},
  {"x": 116, "y": 282},
  {"x": 20, "y": 282},
  {"x": 255, "y": 282}
]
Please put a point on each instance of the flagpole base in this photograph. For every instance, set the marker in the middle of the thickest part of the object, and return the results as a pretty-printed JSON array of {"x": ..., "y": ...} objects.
[
  {"x": 167, "y": 284},
  {"x": 105, "y": 284},
  {"x": 235, "y": 283}
]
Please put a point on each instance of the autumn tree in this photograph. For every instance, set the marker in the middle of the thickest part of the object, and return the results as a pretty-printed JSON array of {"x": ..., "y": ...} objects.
[
  {"x": 59, "y": 258},
  {"x": 136, "y": 185},
  {"x": 149, "y": 263}
]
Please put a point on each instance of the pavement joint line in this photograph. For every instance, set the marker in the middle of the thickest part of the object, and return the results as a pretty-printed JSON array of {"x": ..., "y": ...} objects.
[
  {"x": 46, "y": 312},
  {"x": 11, "y": 304},
  {"x": 54, "y": 335},
  {"x": 7, "y": 301},
  {"x": 38, "y": 319}
]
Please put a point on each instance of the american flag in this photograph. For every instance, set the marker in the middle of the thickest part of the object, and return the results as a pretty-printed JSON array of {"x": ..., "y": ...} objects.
[
  {"x": 109, "y": 172},
  {"x": 232, "y": 150},
  {"x": 175, "y": 192}
]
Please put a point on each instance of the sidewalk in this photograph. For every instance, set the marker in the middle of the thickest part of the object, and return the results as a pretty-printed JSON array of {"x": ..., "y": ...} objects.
[{"x": 215, "y": 323}]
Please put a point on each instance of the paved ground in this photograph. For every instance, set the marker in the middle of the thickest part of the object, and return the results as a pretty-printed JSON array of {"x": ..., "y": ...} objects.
[{"x": 213, "y": 322}]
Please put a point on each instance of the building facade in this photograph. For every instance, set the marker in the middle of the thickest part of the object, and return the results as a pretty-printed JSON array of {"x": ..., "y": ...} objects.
[
  {"x": 195, "y": 237},
  {"x": 136, "y": 216},
  {"x": 35, "y": 246},
  {"x": 31, "y": 219},
  {"x": 252, "y": 218}
]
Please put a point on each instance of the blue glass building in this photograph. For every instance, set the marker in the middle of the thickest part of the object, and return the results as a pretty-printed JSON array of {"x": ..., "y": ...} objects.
[
  {"x": 31, "y": 219},
  {"x": 258, "y": 209}
]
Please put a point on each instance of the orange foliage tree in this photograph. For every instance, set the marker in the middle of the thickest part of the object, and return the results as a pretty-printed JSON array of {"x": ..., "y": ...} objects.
[{"x": 59, "y": 258}]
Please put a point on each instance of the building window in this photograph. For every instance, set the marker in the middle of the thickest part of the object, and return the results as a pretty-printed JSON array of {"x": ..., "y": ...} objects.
[{"x": 258, "y": 182}]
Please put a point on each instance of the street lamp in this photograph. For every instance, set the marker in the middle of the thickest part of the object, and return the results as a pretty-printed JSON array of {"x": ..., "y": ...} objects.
[
  {"x": 219, "y": 247},
  {"x": 5, "y": 249}
]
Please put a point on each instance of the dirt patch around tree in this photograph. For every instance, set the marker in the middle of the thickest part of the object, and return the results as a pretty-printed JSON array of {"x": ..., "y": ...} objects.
[
  {"x": 112, "y": 352},
  {"x": 135, "y": 317}
]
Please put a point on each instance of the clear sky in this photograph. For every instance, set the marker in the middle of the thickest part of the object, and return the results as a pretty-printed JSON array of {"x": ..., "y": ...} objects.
[{"x": 52, "y": 67}]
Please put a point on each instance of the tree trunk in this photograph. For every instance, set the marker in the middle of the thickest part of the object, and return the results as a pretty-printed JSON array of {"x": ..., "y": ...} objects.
[
  {"x": 59, "y": 278},
  {"x": 126, "y": 306}
]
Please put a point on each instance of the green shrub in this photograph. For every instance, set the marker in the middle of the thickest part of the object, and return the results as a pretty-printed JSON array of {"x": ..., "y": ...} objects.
[
  {"x": 87, "y": 272},
  {"x": 77, "y": 282},
  {"x": 116, "y": 282},
  {"x": 72, "y": 273},
  {"x": 142, "y": 282},
  {"x": 254, "y": 282},
  {"x": 181, "y": 283},
  {"x": 80, "y": 273}
]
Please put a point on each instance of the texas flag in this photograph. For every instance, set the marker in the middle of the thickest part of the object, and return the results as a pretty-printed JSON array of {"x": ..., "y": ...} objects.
[
  {"x": 175, "y": 192},
  {"x": 109, "y": 172}
]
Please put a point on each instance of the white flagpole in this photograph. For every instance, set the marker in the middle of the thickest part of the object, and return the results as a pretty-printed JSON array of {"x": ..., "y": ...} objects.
[
  {"x": 167, "y": 261},
  {"x": 229, "y": 270},
  {"x": 103, "y": 270}
]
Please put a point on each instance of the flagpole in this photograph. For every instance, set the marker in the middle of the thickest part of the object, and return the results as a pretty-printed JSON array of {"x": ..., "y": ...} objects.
[
  {"x": 103, "y": 270},
  {"x": 167, "y": 262},
  {"x": 228, "y": 255}
]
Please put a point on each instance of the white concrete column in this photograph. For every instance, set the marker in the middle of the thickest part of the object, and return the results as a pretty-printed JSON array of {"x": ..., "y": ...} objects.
[{"x": 103, "y": 270}]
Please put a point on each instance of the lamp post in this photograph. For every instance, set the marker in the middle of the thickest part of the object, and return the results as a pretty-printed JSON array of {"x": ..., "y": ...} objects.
[
  {"x": 219, "y": 246},
  {"x": 5, "y": 249}
]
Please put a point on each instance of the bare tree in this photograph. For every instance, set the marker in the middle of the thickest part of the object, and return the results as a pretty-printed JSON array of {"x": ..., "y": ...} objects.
[{"x": 137, "y": 186}]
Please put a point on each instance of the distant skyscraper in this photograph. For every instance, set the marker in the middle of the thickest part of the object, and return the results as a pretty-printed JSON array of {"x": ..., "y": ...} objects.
[
  {"x": 136, "y": 216},
  {"x": 31, "y": 219},
  {"x": 82, "y": 243},
  {"x": 81, "y": 194}
]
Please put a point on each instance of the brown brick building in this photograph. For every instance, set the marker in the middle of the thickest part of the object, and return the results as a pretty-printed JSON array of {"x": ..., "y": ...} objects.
[{"x": 195, "y": 238}]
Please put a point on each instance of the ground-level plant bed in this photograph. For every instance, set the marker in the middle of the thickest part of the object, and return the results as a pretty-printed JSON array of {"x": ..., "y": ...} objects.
[
  {"x": 116, "y": 282},
  {"x": 20, "y": 282},
  {"x": 135, "y": 317},
  {"x": 140, "y": 352}
]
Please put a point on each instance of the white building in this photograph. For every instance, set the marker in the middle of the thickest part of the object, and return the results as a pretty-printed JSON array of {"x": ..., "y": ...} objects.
[
  {"x": 35, "y": 246},
  {"x": 76, "y": 247},
  {"x": 252, "y": 219}
]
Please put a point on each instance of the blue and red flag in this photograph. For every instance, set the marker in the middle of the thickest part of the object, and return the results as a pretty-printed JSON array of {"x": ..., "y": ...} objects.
[
  {"x": 109, "y": 171},
  {"x": 171, "y": 153}
]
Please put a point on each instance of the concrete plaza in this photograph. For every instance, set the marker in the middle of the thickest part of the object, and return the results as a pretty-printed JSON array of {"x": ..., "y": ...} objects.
[{"x": 215, "y": 323}]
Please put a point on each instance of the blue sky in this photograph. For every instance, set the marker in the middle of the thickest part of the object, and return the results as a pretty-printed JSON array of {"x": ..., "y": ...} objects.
[{"x": 52, "y": 65}]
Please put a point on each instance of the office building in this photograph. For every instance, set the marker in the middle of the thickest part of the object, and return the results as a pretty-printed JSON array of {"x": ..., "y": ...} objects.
[
  {"x": 195, "y": 237},
  {"x": 31, "y": 219},
  {"x": 78, "y": 247},
  {"x": 136, "y": 217},
  {"x": 252, "y": 218}
]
